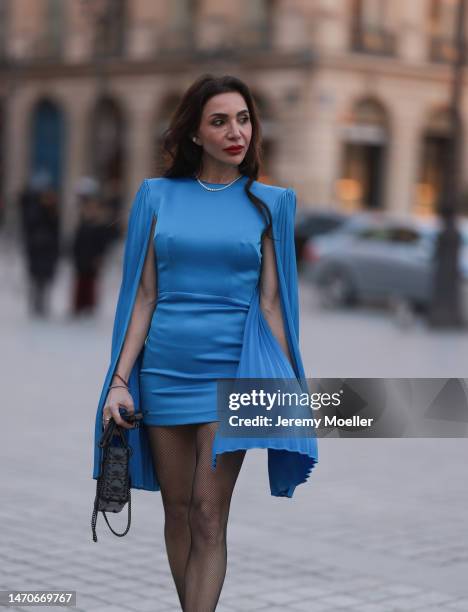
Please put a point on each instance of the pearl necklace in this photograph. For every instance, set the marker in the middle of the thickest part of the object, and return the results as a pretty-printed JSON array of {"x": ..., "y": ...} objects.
[{"x": 218, "y": 188}]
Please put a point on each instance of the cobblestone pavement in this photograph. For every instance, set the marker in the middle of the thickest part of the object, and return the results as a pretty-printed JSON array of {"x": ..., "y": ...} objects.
[{"x": 381, "y": 525}]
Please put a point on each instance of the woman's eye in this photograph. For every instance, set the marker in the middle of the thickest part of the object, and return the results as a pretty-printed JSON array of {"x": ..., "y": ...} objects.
[{"x": 218, "y": 122}]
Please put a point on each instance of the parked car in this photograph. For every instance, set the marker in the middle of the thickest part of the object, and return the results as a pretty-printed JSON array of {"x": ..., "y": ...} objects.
[
  {"x": 314, "y": 222},
  {"x": 378, "y": 256}
]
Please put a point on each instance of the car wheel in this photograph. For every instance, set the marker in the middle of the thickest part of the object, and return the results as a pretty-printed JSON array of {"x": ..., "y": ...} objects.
[{"x": 337, "y": 289}]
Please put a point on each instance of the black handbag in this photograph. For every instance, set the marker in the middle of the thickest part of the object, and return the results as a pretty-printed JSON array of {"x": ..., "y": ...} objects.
[{"x": 113, "y": 483}]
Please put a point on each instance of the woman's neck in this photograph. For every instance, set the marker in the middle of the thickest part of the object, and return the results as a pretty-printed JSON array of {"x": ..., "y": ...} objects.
[{"x": 216, "y": 177}]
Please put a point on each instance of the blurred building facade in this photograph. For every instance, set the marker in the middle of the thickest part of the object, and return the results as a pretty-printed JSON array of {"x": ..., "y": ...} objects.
[{"x": 352, "y": 93}]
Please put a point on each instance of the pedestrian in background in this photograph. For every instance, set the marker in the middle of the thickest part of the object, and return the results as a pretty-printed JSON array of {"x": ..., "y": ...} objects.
[
  {"x": 41, "y": 238},
  {"x": 89, "y": 246}
]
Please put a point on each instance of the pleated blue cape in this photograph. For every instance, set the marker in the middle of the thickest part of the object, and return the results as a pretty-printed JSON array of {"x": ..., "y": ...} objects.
[{"x": 290, "y": 459}]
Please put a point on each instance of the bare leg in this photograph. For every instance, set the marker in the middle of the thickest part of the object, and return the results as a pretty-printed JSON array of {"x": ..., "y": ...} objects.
[
  {"x": 209, "y": 510},
  {"x": 174, "y": 455}
]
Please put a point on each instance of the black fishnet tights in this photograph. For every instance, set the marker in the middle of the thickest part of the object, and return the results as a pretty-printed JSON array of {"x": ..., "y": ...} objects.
[{"x": 196, "y": 502}]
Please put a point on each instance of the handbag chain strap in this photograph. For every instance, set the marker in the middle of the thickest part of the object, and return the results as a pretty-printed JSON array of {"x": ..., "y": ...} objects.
[
  {"x": 105, "y": 441},
  {"x": 129, "y": 518}
]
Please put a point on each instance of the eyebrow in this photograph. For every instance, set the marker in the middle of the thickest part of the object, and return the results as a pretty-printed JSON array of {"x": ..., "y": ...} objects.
[{"x": 225, "y": 115}]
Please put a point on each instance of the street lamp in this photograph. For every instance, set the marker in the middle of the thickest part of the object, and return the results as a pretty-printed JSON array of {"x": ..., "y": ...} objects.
[{"x": 446, "y": 307}]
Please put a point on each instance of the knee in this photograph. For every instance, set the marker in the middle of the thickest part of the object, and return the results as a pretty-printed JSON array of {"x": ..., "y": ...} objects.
[
  {"x": 176, "y": 512},
  {"x": 207, "y": 522}
]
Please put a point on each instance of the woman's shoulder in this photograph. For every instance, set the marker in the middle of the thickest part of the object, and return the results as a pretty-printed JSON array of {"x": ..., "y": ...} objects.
[
  {"x": 150, "y": 194},
  {"x": 157, "y": 186},
  {"x": 275, "y": 196},
  {"x": 158, "y": 182},
  {"x": 162, "y": 184},
  {"x": 273, "y": 191}
]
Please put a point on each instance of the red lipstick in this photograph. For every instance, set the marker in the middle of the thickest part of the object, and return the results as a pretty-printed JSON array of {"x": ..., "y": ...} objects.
[{"x": 234, "y": 149}]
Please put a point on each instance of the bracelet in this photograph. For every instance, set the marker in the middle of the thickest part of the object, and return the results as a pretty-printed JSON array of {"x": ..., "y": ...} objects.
[
  {"x": 122, "y": 379},
  {"x": 117, "y": 387}
]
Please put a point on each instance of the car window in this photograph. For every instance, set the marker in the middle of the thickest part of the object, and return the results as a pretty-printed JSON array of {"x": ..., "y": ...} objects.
[
  {"x": 403, "y": 235},
  {"x": 327, "y": 225},
  {"x": 380, "y": 234}
]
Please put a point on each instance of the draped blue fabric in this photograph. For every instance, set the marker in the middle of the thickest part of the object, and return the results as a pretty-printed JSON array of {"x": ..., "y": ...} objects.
[{"x": 290, "y": 459}]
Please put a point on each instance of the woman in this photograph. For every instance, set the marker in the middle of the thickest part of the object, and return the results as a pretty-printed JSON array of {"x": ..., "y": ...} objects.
[{"x": 208, "y": 291}]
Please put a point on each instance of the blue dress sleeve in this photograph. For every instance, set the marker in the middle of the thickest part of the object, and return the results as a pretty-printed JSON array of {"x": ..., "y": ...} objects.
[
  {"x": 143, "y": 209},
  {"x": 290, "y": 459},
  {"x": 283, "y": 225}
]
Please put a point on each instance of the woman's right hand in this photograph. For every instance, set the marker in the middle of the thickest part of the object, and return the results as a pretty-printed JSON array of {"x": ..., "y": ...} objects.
[{"x": 118, "y": 397}]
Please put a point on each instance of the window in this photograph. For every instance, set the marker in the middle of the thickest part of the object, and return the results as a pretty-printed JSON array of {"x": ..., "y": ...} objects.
[
  {"x": 442, "y": 28},
  {"x": 178, "y": 32},
  {"x": 373, "y": 26},
  {"x": 381, "y": 234},
  {"x": 392, "y": 234},
  {"x": 3, "y": 27},
  {"x": 256, "y": 30},
  {"x": 49, "y": 36},
  {"x": 109, "y": 28},
  {"x": 403, "y": 235},
  {"x": 54, "y": 25}
]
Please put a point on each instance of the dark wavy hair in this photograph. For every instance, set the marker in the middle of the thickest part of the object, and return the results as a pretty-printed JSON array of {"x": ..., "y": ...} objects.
[{"x": 182, "y": 157}]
